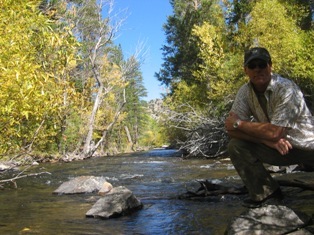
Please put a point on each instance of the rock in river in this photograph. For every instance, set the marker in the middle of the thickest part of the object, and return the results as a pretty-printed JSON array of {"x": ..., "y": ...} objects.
[
  {"x": 81, "y": 184},
  {"x": 119, "y": 201},
  {"x": 269, "y": 220}
]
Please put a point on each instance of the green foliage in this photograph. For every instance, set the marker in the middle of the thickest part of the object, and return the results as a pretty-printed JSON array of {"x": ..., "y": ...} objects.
[
  {"x": 301, "y": 11},
  {"x": 154, "y": 135},
  {"x": 73, "y": 132},
  {"x": 196, "y": 28},
  {"x": 211, "y": 73},
  {"x": 181, "y": 53},
  {"x": 276, "y": 30}
]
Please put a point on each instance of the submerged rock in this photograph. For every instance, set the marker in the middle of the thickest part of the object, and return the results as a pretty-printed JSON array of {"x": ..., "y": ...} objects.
[
  {"x": 81, "y": 184},
  {"x": 270, "y": 219},
  {"x": 119, "y": 201}
]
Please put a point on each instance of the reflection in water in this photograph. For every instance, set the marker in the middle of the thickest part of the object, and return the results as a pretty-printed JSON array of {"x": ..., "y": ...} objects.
[{"x": 156, "y": 178}]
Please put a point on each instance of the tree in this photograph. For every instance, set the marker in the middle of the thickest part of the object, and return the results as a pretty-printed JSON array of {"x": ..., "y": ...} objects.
[
  {"x": 135, "y": 108},
  {"x": 33, "y": 77},
  {"x": 180, "y": 54},
  {"x": 301, "y": 11},
  {"x": 96, "y": 34}
]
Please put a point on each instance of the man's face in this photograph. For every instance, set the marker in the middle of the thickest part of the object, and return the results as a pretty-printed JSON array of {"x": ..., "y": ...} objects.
[{"x": 259, "y": 72}]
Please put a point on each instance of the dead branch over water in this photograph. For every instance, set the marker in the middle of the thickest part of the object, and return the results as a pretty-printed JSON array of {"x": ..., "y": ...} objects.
[
  {"x": 20, "y": 175},
  {"x": 205, "y": 135}
]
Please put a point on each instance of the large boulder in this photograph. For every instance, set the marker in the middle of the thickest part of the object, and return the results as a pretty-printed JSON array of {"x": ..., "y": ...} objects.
[
  {"x": 270, "y": 219},
  {"x": 119, "y": 201},
  {"x": 81, "y": 184}
]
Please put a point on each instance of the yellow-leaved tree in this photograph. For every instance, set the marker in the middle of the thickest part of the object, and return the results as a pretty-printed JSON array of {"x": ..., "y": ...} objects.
[
  {"x": 36, "y": 57},
  {"x": 220, "y": 71},
  {"x": 273, "y": 28}
]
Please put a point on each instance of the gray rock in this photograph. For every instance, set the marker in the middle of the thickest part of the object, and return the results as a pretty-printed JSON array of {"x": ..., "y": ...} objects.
[
  {"x": 270, "y": 219},
  {"x": 119, "y": 201},
  {"x": 82, "y": 184}
]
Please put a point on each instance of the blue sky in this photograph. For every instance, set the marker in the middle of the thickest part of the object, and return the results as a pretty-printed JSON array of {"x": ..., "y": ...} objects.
[{"x": 143, "y": 24}]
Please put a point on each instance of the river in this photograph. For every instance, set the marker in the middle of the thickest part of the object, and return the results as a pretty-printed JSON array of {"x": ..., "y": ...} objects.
[{"x": 156, "y": 178}]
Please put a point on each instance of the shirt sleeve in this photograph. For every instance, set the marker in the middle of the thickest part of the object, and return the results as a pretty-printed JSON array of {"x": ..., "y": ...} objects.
[{"x": 240, "y": 105}]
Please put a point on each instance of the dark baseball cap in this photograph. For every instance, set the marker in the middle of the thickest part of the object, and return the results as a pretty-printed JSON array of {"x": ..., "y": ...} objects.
[{"x": 256, "y": 53}]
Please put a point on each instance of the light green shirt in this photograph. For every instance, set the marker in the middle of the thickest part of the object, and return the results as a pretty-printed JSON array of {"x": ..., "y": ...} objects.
[{"x": 285, "y": 107}]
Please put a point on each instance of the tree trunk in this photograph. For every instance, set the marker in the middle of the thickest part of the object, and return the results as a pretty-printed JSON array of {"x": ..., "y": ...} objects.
[
  {"x": 128, "y": 134},
  {"x": 87, "y": 149}
]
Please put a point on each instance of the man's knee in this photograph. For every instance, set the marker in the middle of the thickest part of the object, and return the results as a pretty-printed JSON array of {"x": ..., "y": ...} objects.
[
  {"x": 235, "y": 146},
  {"x": 241, "y": 150}
]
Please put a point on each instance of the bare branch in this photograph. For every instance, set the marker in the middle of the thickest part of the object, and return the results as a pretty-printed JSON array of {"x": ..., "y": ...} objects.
[
  {"x": 20, "y": 176},
  {"x": 204, "y": 134}
]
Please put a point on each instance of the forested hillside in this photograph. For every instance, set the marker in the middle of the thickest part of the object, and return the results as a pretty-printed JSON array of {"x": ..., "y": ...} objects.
[{"x": 68, "y": 90}]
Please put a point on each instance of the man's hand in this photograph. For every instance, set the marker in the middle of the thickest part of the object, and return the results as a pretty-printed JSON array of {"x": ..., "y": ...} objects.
[{"x": 282, "y": 146}]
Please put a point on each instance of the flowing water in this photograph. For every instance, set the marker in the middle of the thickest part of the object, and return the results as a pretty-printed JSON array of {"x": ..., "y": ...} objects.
[{"x": 156, "y": 178}]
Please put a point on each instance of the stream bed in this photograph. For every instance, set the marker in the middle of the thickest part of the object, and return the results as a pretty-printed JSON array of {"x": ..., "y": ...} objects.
[{"x": 155, "y": 177}]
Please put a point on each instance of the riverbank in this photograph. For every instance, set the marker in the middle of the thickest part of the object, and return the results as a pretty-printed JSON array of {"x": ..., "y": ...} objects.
[{"x": 35, "y": 159}]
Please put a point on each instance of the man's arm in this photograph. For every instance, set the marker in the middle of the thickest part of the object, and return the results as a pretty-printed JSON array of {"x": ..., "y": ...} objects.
[
  {"x": 258, "y": 130},
  {"x": 265, "y": 133}
]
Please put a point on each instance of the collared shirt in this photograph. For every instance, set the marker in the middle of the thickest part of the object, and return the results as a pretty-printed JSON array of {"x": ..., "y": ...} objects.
[{"x": 285, "y": 107}]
